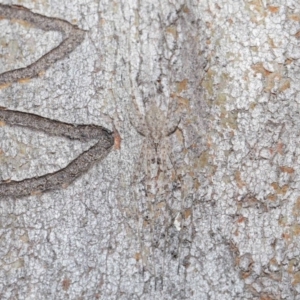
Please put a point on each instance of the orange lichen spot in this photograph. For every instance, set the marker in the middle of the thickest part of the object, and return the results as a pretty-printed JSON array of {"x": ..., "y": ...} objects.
[
  {"x": 24, "y": 80},
  {"x": 182, "y": 85},
  {"x": 117, "y": 140},
  {"x": 259, "y": 68},
  {"x": 66, "y": 284},
  {"x": 280, "y": 190},
  {"x": 2, "y": 123},
  {"x": 238, "y": 179},
  {"x": 273, "y": 9},
  {"x": 137, "y": 256},
  {"x": 294, "y": 17},
  {"x": 266, "y": 297},
  {"x": 241, "y": 219},
  {"x": 245, "y": 275},
  {"x": 296, "y": 278},
  {"x": 286, "y": 169}
]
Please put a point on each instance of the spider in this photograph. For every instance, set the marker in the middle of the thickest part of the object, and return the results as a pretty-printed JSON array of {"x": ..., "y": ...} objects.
[{"x": 157, "y": 217}]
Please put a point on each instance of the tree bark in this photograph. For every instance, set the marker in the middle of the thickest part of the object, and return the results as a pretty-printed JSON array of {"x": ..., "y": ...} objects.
[{"x": 198, "y": 198}]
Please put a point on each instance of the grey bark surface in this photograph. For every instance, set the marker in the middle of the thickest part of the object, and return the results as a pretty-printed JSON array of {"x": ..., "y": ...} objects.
[{"x": 198, "y": 199}]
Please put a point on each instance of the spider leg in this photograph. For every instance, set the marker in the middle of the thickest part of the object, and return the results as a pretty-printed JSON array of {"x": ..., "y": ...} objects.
[
  {"x": 173, "y": 119},
  {"x": 137, "y": 120},
  {"x": 139, "y": 205}
]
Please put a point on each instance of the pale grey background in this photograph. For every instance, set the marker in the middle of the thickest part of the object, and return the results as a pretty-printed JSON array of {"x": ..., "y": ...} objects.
[{"x": 242, "y": 109}]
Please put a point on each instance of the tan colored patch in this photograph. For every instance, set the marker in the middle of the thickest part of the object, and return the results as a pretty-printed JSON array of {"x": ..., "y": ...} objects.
[
  {"x": 273, "y": 9},
  {"x": 296, "y": 278},
  {"x": 24, "y": 80},
  {"x": 285, "y": 84},
  {"x": 187, "y": 213},
  {"x": 137, "y": 256},
  {"x": 185, "y": 9},
  {"x": 241, "y": 219},
  {"x": 238, "y": 179},
  {"x": 203, "y": 159},
  {"x": 296, "y": 229},
  {"x": 65, "y": 185},
  {"x": 259, "y": 68},
  {"x": 272, "y": 197},
  {"x": 182, "y": 85},
  {"x": 22, "y": 23},
  {"x": 24, "y": 238},
  {"x": 172, "y": 30},
  {"x": 280, "y": 190},
  {"x": 294, "y": 17},
  {"x": 118, "y": 140},
  {"x": 4, "y": 85},
  {"x": 286, "y": 169},
  {"x": 266, "y": 297},
  {"x": 42, "y": 73},
  {"x": 66, "y": 284}
]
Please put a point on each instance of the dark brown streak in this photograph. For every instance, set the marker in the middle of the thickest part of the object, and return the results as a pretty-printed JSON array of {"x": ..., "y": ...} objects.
[
  {"x": 52, "y": 127},
  {"x": 73, "y": 37},
  {"x": 63, "y": 177}
]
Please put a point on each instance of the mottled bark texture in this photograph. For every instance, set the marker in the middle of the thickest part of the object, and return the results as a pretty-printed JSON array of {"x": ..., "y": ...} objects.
[{"x": 199, "y": 199}]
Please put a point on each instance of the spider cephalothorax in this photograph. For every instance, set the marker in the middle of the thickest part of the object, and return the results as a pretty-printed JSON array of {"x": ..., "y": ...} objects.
[{"x": 156, "y": 124}]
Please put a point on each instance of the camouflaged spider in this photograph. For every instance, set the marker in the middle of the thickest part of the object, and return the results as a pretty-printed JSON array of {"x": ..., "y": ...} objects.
[
  {"x": 154, "y": 172},
  {"x": 155, "y": 126}
]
